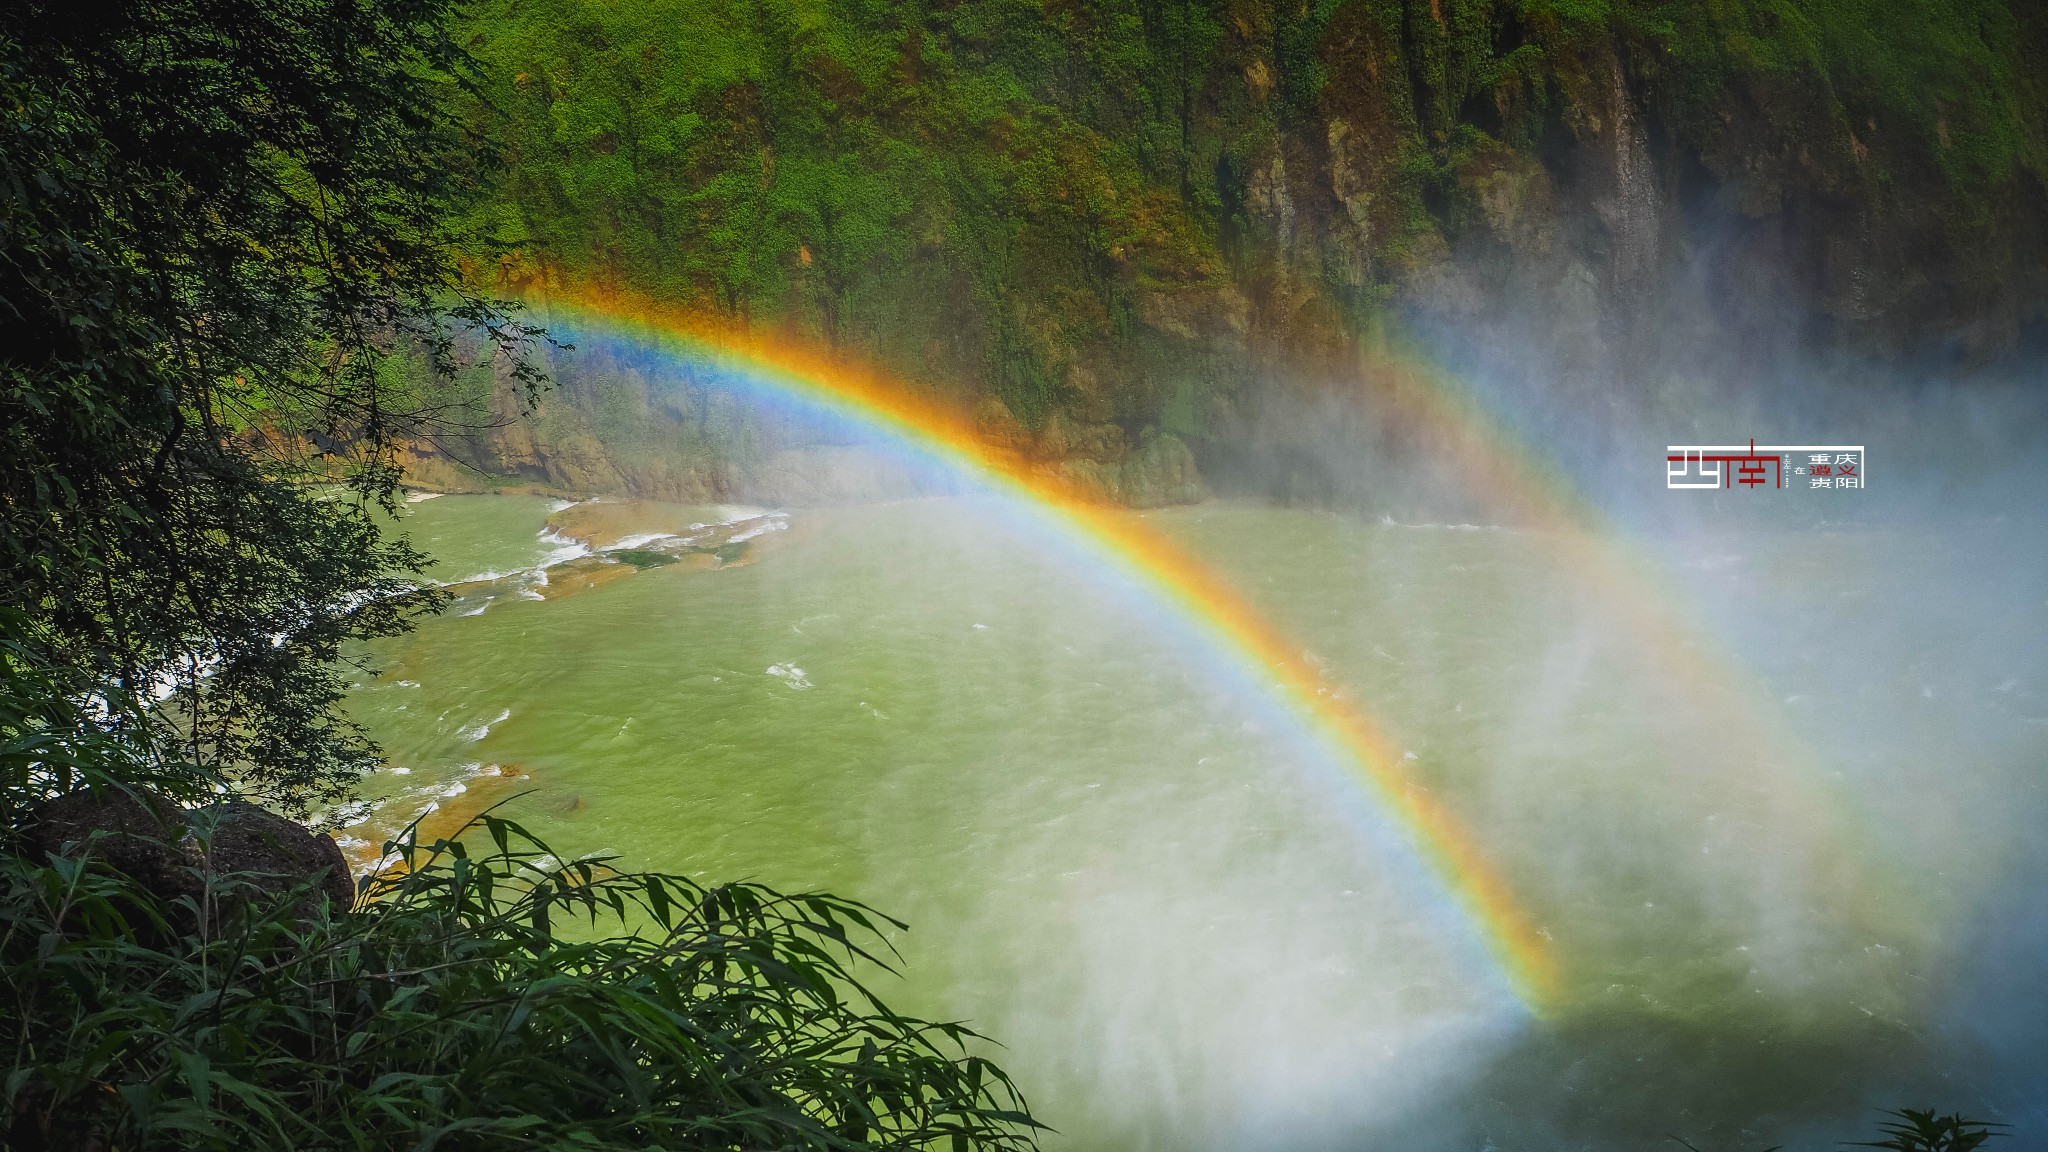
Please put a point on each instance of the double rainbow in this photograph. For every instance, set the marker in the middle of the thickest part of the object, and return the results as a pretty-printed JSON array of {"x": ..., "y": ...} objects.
[{"x": 1518, "y": 944}]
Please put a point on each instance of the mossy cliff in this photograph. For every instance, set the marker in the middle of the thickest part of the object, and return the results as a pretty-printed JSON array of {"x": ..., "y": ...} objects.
[{"x": 1112, "y": 222}]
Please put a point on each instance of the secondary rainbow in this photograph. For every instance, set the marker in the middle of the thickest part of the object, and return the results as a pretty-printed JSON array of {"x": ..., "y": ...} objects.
[{"x": 1516, "y": 941}]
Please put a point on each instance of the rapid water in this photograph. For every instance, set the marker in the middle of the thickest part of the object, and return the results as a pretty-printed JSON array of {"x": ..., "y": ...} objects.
[{"x": 1773, "y": 851}]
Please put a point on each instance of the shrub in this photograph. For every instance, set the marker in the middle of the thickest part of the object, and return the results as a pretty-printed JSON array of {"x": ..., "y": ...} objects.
[{"x": 501, "y": 999}]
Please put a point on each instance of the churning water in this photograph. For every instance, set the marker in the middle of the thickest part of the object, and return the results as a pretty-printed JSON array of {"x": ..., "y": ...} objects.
[{"x": 1788, "y": 866}]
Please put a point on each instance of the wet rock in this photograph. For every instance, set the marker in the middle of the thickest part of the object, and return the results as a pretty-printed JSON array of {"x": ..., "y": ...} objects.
[
  {"x": 999, "y": 428},
  {"x": 1161, "y": 472},
  {"x": 562, "y": 803},
  {"x": 1064, "y": 438},
  {"x": 584, "y": 575}
]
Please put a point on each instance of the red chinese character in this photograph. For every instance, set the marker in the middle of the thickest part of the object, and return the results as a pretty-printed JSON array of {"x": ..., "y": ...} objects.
[
  {"x": 1751, "y": 473},
  {"x": 1823, "y": 470}
]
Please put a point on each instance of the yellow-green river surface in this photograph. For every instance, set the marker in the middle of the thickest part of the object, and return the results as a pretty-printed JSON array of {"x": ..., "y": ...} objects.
[{"x": 1771, "y": 850}]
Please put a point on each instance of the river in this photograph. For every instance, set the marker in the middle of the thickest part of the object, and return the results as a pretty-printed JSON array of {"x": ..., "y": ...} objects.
[{"x": 1769, "y": 849}]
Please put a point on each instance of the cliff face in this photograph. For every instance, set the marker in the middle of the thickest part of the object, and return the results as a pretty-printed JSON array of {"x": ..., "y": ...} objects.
[
  {"x": 1121, "y": 226},
  {"x": 610, "y": 426}
]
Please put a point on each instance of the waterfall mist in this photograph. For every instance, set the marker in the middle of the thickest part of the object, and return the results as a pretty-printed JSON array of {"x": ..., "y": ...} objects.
[{"x": 1838, "y": 700}]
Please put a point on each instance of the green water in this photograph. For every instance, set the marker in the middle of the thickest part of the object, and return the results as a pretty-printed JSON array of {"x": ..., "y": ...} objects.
[
  {"x": 468, "y": 536},
  {"x": 1118, "y": 858}
]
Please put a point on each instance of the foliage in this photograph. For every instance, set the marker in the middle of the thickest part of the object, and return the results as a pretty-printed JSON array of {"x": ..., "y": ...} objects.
[
  {"x": 220, "y": 225},
  {"x": 1915, "y": 1130},
  {"x": 880, "y": 173},
  {"x": 496, "y": 1000},
  {"x": 215, "y": 219},
  {"x": 1081, "y": 206},
  {"x": 52, "y": 742},
  {"x": 500, "y": 999},
  {"x": 1924, "y": 1130}
]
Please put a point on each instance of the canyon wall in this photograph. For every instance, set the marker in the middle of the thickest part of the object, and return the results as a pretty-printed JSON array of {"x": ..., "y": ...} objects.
[{"x": 1137, "y": 235}]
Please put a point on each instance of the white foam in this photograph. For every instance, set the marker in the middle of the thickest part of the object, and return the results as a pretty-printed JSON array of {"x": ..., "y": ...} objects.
[
  {"x": 355, "y": 813},
  {"x": 738, "y": 513},
  {"x": 1390, "y": 522},
  {"x": 170, "y": 680},
  {"x": 567, "y": 548},
  {"x": 638, "y": 541},
  {"x": 791, "y": 675},
  {"x": 480, "y": 731},
  {"x": 768, "y": 525},
  {"x": 421, "y": 497},
  {"x": 488, "y": 574}
]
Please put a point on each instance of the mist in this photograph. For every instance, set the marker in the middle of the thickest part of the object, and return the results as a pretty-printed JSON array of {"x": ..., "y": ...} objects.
[{"x": 1857, "y": 681}]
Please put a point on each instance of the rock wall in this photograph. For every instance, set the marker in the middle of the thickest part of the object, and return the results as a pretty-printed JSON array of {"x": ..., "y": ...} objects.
[
  {"x": 609, "y": 426},
  {"x": 1178, "y": 223}
]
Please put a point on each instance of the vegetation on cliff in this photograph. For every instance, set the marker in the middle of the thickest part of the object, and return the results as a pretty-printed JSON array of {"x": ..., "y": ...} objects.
[{"x": 1124, "y": 210}]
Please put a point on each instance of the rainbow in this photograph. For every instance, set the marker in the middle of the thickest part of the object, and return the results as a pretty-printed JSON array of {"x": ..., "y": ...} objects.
[
  {"x": 1768, "y": 767},
  {"x": 1518, "y": 944}
]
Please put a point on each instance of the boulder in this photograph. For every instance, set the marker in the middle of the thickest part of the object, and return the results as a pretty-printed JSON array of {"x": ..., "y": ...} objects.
[
  {"x": 137, "y": 832},
  {"x": 1064, "y": 438},
  {"x": 171, "y": 850},
  {"x": 1161, "y": 472},
  {"x": 246, "y": 838}
]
